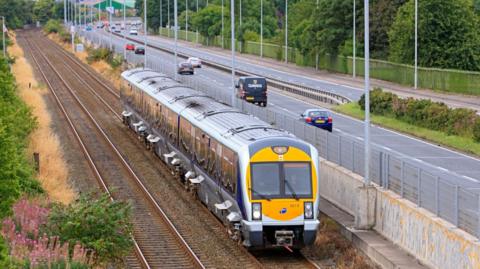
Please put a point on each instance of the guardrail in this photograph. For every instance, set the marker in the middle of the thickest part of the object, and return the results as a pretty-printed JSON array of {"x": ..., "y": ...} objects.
[
  {"x": 316, "y": 94},
  {"x": 427, "y": 186}
]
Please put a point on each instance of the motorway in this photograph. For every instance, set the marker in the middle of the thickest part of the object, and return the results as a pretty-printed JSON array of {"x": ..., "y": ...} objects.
[{"x": 459, "y": 168}]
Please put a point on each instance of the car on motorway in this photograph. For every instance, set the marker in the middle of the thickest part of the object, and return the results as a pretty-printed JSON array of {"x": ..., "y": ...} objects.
[
  {"x": 196, "y": 63},
  {"x": 320, "y": 118},
  {"x": 252, "y": 89},
  {"x": 130, "y": 46},
  {"x": 185, "y": 68},
  {"x": 89, "y": 28},
  {"x": 133, "y": 31},
  {"x": 140, "y": 50}
]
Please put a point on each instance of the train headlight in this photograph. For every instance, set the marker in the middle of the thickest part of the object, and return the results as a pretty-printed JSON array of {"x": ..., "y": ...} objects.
[
  {"x": 256, "y": 211},
  {"x": 308, "y": 210}
]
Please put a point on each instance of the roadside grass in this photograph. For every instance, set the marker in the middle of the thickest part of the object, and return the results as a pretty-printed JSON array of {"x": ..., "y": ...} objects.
[
  {"x": 53, "y": 174},
  {"x": 102, "y": 67},
  {"x": 467, "y": 145}
]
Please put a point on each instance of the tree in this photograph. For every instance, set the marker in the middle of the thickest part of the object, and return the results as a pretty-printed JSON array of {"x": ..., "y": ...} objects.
[
  {"x": 17, "y": 12},
  {"x": 208, "y": 21},
  {"x": 449, "y": 35},
  {"x": 43, "y": 10},
  {"x": 381, "y": 14}
]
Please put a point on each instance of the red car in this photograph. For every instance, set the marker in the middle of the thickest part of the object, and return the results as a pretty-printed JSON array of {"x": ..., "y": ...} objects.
[{"x": 130, "y": 46}]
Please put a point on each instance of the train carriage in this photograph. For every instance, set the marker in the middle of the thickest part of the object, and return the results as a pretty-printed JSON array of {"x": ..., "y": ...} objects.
[{"x": 261, "y": 181}]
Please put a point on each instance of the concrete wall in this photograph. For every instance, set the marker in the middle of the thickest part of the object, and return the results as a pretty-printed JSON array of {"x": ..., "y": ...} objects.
[{"x": 433, "y": 241}]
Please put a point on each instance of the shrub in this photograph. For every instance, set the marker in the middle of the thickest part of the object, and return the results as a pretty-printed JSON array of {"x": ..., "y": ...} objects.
[
  {"x": 476, "y": 129},
  {"x": 380, "y": 101},
  {"x": 99, "y": 54},
  {"x": 98, "y": 224},
  {"x": 52, "y": 26},
  {"x": 424, "y": 113}
]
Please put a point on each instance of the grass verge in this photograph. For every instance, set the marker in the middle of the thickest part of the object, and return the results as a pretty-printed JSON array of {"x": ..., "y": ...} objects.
[
  {"x": 111, "y": 74},
  {"x": 53, "y": 174},
  {"x": 467, "y": 145}
]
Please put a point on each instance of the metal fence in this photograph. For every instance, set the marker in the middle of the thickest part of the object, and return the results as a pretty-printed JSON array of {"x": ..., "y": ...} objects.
[{"x": 426, "y": 186}]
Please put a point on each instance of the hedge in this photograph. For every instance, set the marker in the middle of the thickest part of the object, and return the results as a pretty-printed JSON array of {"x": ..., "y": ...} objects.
[
  {"x": 447, "y": 80},
  {"x": 425, "y": 113}
]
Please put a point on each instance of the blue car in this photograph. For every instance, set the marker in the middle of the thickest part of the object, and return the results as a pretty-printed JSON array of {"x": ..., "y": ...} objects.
[{"x": 320, "y": 118}]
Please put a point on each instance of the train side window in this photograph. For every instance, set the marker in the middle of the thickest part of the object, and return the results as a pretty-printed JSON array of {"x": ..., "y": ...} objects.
[
  {"x": 212, "y": 157},
  {"x": 228, "y": 169},
  {"x": 172, "y": 122},
  {"x": 198, "y": 147},
  {"x": 205, "y": 149},
  {"x": 218, "y": 164},
  {"x": 185, "y": 137}
]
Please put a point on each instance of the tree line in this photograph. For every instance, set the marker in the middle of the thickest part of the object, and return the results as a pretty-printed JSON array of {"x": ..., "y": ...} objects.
[{"x": 448, "y": 30}]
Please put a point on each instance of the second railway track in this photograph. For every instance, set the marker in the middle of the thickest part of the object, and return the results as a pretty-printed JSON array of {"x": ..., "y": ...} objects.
[
  {"x": 159, "y": 243},
  {"x": 93, "y": 87}
]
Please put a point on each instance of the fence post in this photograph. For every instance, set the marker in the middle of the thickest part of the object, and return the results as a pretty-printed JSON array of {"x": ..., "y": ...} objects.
[
  {"x": 478, "y": 220},
  {"x": 437, "y": 194},
  {"x": 36, "y": 160},
  {"x": 326, "y": 142},
  {"x": 419, "y": 187},
  {"x": 456, "y": 205},
  {"x": 339, "y": 148},
  {"x": 402, "y": 175},
  {"x": 353, "y": 156},
  {"x": 387, "y": 172}
]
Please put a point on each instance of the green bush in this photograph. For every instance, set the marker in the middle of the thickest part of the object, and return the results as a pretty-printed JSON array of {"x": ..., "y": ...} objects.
[
  {"x": 52, "y": 26},
  {"x": 99, "y": 54},
  {"x": 97, "y": 223},
  {"x": 476, "y": 130},
  {"x": 16, "y": 124},
  {"x": 424, "y": 113}
]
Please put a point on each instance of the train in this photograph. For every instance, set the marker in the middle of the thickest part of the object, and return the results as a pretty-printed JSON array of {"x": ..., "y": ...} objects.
[{"x": 260, "y": 181}]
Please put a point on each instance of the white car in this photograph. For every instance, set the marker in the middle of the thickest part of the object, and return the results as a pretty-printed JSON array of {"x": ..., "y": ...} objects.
[
  {"x": 133, "y": 32},
  {"x": 195, "y": 62}
]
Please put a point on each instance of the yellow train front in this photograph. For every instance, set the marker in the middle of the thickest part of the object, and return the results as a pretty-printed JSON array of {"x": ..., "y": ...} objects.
[{"x": 280, "y": 192}]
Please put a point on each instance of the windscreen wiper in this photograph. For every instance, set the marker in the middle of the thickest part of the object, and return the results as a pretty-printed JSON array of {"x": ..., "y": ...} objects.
[
  {"x": 259, "y": 194},
  {"x": 291, "y": 189}
]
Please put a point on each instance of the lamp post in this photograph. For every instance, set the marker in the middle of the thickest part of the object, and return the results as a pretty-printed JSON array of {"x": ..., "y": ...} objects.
[
  {"x": 286, "y": 31},
  {"x": 261, "y": 28},
  {"x": 354, "y": 68},
  {"x": 415, "y": 83},
  {"x": 175, "y": 11},
  {"x": 3, "y": 37},
  {"x": 196, "y": 36},
  {"x": 186, "y": 20},
  {"x": 168, "y": 16},
  {"x": 65, "y": 12},
  {"x": 124, "y": 31},
  {"x": 222, "y": 33},
  {"x": 367, "y": 93},
  {"x": 145, "y": 33},
  {"x": 110, "y": 23},
  {"x": 232, "y": 26}
]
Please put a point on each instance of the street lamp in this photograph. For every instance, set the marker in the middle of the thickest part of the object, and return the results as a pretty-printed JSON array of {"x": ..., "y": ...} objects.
[
  {"x": 367, "y": 93},
  {"x": 3, "y": 37},
  {"x": 261, "y": 28},
  {"x": 286, "y": 31},
  {"x": 416, "y": 46},
  {"x": 186, "y": 20},
  {"x": 232, "y": 26},
  {"x": 354, "y": 40},
  {"x": 175, "y": 11},
  {"x": 145, "y": 33},
  {"x": 65, "y": 12},
  {"x": 196, "y": 37},
  {"x": 110, "y": 23},
  {"x": 168, "y": 16},
  {"x": 222, "y": 27},
  {"x": 124, "y": 32}
]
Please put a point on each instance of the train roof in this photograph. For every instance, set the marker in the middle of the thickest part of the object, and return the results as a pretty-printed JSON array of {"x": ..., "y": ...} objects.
[{"x": 226, "y": 124}]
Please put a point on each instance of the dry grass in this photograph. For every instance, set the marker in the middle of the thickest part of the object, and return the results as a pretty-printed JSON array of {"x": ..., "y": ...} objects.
[
  {"x": 102, "y": 67},
  {"x": 332, "y": 245},
  {"x": 53, "y": 173}
]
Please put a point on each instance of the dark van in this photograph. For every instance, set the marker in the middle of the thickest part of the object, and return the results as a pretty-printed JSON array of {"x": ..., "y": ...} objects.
[{"x": 252, "y": 89}]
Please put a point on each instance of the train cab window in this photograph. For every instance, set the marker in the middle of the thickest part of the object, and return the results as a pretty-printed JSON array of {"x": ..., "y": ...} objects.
[
  {"x": 297, "y": 179},
  {"x": 265, "y": 180}
]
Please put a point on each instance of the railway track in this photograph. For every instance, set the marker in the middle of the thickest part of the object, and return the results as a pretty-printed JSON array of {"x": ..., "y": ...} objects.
[
  {"x": 109, "y": 98},
  {"x": 156, "y": 240}
]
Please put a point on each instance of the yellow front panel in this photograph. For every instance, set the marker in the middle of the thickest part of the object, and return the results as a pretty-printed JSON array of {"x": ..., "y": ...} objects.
[{"x": 282, "y": 209}]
